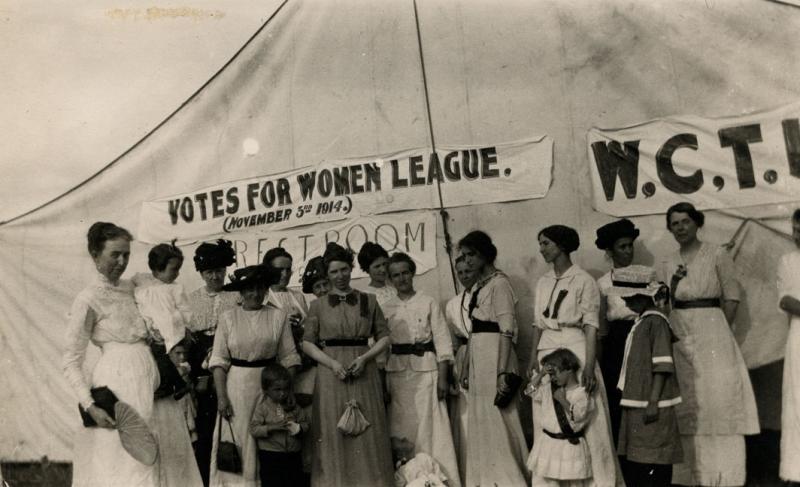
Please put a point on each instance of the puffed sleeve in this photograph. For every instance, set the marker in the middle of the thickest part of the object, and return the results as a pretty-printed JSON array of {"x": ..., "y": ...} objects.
[
  {"x": 220, "y": 353},
  {"x": 580, "y": 409},
  {"x": 661, "y": 345},
  {"x": 441, "y": 334},
  {"x": 589, "y": 301},
  {"x": 287, "y": 351},
  {"x": 184, "y": 310},
  {"x": 731, "y": 291},
  {"x": 311, "y": 324},
  {"x": 503, "y": 301},
  {"x": 380, "y": 327},
  {"x": 80, "y": 323}
]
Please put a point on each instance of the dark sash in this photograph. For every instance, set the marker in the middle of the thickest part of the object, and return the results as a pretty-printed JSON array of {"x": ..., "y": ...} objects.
[{"x": 567, "y": 432}]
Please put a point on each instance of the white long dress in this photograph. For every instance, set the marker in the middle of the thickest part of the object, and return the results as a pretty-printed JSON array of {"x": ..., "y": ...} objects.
[
  {"x": 106, "y": 315},
  {"x": 247, "y": 335},
  {"x": 789, "y": 284},
  {"x": 718, "y": 406},
  {"x": 415, "y": 412},
  {"x": 495, "y": 444}
]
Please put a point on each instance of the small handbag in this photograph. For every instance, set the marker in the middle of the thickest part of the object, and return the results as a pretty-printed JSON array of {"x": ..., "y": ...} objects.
[
  {"x": 352, "y": 422},
  {"x": 513, "y": 381},
  {"x": 228, "y": 457},
  {"x": 103, "y": 398}
]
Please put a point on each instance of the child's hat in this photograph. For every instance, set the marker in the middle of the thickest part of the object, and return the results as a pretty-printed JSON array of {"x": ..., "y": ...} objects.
[{"x": 633, "y": 280}]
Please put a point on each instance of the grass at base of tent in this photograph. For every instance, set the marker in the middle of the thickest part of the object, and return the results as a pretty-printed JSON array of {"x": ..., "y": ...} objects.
[
  {"x": 763, "y": 454},
  {"x": 37, "y": 474}
]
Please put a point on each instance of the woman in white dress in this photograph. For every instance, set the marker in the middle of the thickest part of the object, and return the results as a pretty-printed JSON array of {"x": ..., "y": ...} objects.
[
  {"x": 495, "y": 443},
  {"x": 105, "y": 313},
  {"x": 417, "y": 368},
  {"x": 248, "y": 338},
  {"x": 566, "y": 308},
  {"x": 789, "y": 294},
  {"x": 718, "y": 406}
]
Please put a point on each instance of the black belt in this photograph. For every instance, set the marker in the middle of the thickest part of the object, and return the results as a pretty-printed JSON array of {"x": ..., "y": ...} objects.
[
  {"x": 462, "y": 340},
  {"x": 344, "y": 342},
  {"x": 412, "y": 348},
  {"x": 697, "y": 303},
  {"x": 563, "y": 436},
  {"x": 236, "y": 362},
  {"x": 480, "y": 326}
]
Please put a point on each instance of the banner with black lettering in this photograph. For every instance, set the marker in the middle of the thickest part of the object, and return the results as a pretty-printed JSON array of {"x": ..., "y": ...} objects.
[
  {"x": 412, "y": 232},
  {"x": 729, "y": 162},
  {"x": 336, "y": 190}
]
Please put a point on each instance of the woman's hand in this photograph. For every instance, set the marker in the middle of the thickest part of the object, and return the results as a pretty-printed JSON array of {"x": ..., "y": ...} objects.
[
  {"x": 502, "y": 385},
  {"x": 442, "y": 387},
  {"x": 101, "y": 417},
  {"x": 224, "y": 406},
  {"x": 338, "y": 370},
  {"x": 651, "y": 413},
  {"x": 356, "y": 367},
  {"x": 588, "y": 379}
]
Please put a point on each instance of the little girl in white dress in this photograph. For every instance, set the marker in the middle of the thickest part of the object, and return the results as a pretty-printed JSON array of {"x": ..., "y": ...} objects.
[{"x": 562, "y": 456}]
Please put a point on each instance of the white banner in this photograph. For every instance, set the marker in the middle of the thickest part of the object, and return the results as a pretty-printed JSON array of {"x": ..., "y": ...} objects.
[
  {"x": 337, "y": 190},
  {"x": 728, "y": 162},
  {"x": 411, "y": 232}
]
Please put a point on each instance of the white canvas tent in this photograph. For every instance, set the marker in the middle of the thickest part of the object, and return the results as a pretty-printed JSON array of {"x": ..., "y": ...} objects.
[{"x": 331, "y": 79}]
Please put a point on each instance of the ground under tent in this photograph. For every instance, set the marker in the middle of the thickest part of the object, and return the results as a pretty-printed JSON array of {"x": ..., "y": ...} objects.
[{"x": 336, "y": 80}]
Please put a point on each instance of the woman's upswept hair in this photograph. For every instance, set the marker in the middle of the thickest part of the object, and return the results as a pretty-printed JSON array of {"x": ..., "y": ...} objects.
[
  {"x": 480, "y": 242},
  {"x": 100, "y": 232},
  {"x": 685, "y": 207}
]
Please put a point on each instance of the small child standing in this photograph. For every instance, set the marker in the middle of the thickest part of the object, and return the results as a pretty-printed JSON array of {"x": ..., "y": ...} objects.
[
  {"x": 277, "y": 425},
  {"x": 648, "y": 434},
  {"x": 163, "y": 304},
  {"x": 562, "y": 456}
]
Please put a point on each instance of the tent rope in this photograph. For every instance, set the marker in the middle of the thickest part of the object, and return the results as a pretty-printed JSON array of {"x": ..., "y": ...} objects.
[
  {"x": 448, "y": 242},
  {"x": 157, "y": 127}
]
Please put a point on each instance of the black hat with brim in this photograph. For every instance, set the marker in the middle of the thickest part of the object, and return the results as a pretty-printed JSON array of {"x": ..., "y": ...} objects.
[
  {"x": 611, "y": 232},
  {"x": 251, "y": 276}
]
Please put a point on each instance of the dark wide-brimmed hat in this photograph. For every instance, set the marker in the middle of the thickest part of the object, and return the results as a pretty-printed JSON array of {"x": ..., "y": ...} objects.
[
  {"x": 315, "y": 271},
  {"x": 250, "y": 276},
  {"x": 611, "y": 232},
  {"x": 214, "y": 255}
]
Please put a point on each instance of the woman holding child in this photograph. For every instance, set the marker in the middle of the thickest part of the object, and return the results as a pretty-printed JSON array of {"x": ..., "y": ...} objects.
[
  {"x": 566, "y": 310},
  {"x": 105, "y": 313},
  {"x": 247, "y": 339},
  {"x": 336, "y": 332}
]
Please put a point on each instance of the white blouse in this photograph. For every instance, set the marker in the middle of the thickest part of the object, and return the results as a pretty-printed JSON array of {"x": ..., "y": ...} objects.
[
  {"x": 579, "y": 306},
  {"x": 253, "y": 335},
  {"x": 102, "y": 313},
  {"x": 286, "y": 300},
  {"x": 418, "y": 319}
]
